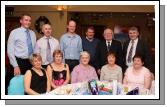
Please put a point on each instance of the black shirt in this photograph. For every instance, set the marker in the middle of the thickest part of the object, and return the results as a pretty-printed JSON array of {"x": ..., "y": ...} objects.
[{"x": 38, "y": 83}]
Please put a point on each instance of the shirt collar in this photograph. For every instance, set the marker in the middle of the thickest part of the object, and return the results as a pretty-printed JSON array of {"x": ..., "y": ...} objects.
[
  {"x": 108, "y": 41},
  {"x": 135, "y": 41},
  {"x": 89, "y": 39},
  {"x": 47, "y": 37},
  {"x": 24, "y": 29},
  {"x": 69, "y": 35}
]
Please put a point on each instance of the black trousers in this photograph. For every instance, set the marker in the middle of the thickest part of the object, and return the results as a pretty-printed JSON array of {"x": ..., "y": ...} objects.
[
  {"x": 71, "y": 63},
  {"x": 24, "y": 65}
]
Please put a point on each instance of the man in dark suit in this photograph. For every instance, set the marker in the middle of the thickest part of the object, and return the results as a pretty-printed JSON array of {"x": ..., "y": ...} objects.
[
  {"x": 104, "y": 47},
  {"x": 136, "y": 46}
]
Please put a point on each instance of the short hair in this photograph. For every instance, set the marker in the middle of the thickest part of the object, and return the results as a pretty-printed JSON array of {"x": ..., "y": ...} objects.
[
  {"x": 134, "y": 28},
  {"x": 26, "y": 14},
  {"x": 107, "y": 29},
  {"x": 84, "y": 53},
  {"x": 71, "y": 21},
  {"x": 57, "y": 52},
  {"x": 90, "y": 27},
  {"x": 111, "y": 53},
  {"x": 138, "y": 56},
  {"x": 46, "y": 24},
  {"x": 33, "y": 56}
]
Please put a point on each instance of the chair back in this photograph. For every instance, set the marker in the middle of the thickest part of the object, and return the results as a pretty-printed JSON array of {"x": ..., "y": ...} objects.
[{"x": 16, "y": 85}]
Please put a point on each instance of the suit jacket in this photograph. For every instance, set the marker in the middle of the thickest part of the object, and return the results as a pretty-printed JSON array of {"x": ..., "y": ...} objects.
[
  {"x": 101, "y": 53},
  {"x": 141, "y": 49}
]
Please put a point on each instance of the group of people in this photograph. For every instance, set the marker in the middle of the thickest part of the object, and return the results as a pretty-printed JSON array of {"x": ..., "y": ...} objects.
[{"x": 47, "y": 63}]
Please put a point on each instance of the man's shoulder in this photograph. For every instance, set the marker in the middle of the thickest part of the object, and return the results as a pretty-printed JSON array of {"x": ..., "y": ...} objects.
[
  {"x": 16, "y": 29},
  {"x": 84, "y": 39},
  {"x": 78, "y": 36},
  {"x": 140, "y": 41},
  {"x": 55, "y": 39},
  {"x": 32, "y": 31},
  {"x": 96, "y": 40},
  {"x": 116, "y": 41},
  {"x": 64, "y": 36},
  {"x": 40, "y": 40},
  {"x": 102, "y": 42}
]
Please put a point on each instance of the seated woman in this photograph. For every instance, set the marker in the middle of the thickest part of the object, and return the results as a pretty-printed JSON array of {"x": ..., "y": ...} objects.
[
  {"x": 83, "y": 71},
  {"x": 36, "y": 80},
  {"x": 138, "y": 75},
  {"x": 111, "y": 71},
  {"x": 58, "y": 72}
]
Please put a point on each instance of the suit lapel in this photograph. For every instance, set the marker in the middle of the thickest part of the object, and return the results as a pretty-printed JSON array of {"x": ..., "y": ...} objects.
[
  {"x": 138, "y": 47},
  {"x": 105, "y": 46},
  {"x": 126, "y": 47}
]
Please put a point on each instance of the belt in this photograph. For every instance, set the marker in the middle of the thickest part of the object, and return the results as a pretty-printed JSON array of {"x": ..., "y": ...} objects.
[{"x": 22, "y": 58}]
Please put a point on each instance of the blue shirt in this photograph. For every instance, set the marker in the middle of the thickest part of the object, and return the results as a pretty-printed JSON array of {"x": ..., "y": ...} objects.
[
  {"x": 17, "y": 44},
  {"x": 71, "y": 46}
]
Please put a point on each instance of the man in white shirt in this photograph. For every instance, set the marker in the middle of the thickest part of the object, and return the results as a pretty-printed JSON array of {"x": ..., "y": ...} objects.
[
  {"x": 136, "y": 46},
  {"x": 46, "y": 45}
]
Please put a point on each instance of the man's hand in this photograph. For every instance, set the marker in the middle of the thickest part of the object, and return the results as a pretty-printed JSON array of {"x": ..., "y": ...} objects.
[{"x": 16, "y": 71}]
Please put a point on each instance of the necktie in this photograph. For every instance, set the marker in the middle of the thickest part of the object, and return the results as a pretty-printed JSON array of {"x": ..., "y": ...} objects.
[
  {"x": 130, "y": 52},
  {"x": 108, "y": 46},
  {"x": 29, "y": 42},
  {"x": 48, "y": 52}
]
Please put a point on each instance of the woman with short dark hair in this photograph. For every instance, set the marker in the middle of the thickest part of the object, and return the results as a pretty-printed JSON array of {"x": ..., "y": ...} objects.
[
  {"x": 138, "y": 75},
  {"x": 111, "y": 71}
]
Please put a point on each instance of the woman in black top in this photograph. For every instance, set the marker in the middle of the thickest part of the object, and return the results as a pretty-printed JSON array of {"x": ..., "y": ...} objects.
[
  {"x": 36, "y": 80},
  {"x": 58, "y": 72}
]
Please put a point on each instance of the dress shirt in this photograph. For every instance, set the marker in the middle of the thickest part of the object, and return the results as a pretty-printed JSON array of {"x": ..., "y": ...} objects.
[
  {"x": 71, "y": 46},
  {"x": 133, "y": 52},
  {"x": 107, "y": 42},
  {"x": 41, "y": 47},
  {"x": 17, "y": 44}
]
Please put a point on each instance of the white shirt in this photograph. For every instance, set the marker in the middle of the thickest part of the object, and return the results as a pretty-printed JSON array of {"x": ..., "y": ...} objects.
[
  {"x": 107, "y": 42},
  {"x": 41, "y": 47},
  {"x": 133, "y": 52}
]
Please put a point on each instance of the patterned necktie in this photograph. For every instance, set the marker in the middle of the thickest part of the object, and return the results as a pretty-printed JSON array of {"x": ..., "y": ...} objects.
[
  {"x": 130, "y": 52},
  {"x": 48, "y": 52},
  {"x": 108, "y": 46},
  {"x": 29, "y": 42}
]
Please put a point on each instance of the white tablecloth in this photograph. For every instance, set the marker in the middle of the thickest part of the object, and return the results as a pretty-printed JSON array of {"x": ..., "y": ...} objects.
[{"x": 81, "y": 88}]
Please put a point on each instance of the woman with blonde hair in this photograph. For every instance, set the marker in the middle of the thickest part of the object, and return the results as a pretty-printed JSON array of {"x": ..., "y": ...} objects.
[{"x": 36, "y": 79}]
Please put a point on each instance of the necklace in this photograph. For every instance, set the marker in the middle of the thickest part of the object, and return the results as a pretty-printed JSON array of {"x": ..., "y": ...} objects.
[{"x": 39, "y": 72}]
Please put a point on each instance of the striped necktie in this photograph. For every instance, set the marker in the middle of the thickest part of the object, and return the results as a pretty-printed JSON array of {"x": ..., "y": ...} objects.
[
  {"x": 48, "y": 51},
  {"x": 108, "y": 46},
  {"x": 130, "y": 52}
]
